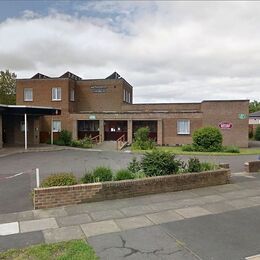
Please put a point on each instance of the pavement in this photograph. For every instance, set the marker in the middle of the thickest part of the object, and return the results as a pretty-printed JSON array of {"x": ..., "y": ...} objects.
[{"x": 220, "y": 222}]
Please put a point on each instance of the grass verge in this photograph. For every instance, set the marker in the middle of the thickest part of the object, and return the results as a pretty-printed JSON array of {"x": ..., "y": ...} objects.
[
  {"x": 71, "y": 250},
  {"x": 178, "y": 150}
]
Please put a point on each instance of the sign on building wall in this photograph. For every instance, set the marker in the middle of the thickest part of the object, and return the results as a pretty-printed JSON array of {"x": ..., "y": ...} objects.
[
  {"x": 225, "y": 125},
  {"x": 242, "y": 116},
  {"x": 92, "y": 117},
  {"x": 98, "y": 89}
]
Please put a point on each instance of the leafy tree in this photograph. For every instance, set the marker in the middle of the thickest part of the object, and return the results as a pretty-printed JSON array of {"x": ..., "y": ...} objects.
[
  {"x": 254, "y": 106},
  {"x": 257, "y": 133},
  {"x": 7, "y": 87}
]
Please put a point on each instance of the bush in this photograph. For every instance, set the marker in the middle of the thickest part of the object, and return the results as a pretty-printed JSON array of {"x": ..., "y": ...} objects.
[
  {"x": 101, "y": 174},
  {"x": 86, "y": 142},
  {"x": 188, "y": 148},
  {"x": 142, "y": 140},
  {"x": 159, "y": 163},
  {"x": 257, "y": 133},
  {"x": 206, "y": 166},
  {"x": 88, "y": 178},
  {"x": 194, "y": 165},
  {"x": 59, "y": 179},
  {"x": 231, "y": 149},
  {"x": 139, "y": 175},
  {"x": 124, "y": 174},
  {"x": 65, "y": 137},
  {"x": 59, "y": 142},
  {"x": 208, "y": 139},
  {"x": 134, "y": 166}
]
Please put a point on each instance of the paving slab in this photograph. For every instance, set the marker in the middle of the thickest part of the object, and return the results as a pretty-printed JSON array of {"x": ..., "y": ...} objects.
[
  {"x": 21, "y": 240},
  {"x": 164, "y": 217},
  {"x": 227, "y": 187},
  {"x": 97, "y": 228},
  {"x": 192, "y": 212},
  {"x": 55, "y": 235},
  {"x": 211, "y": 198},
  {"x": 242, "y": 203},
  {"x": 77, "y": 209},
  {"x": 241, "y": 193},
  {"x": 39, "y": 224},
  {"x": 73, "y": 220},
  {"x": 204, "y": 191},
  {"x": 218, "y": 207},
  {"x": 9, "y": 228},
  {"x": 143, "y": 243},
  {"x": 133, "y": 222},
  {"x": 136, "y": 210},
  {"x": 50, "y": 213},
  {"x": 106, "y": 214}
]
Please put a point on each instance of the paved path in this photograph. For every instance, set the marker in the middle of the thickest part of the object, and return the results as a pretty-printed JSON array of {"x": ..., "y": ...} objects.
[{"x": 220, "y": 222}]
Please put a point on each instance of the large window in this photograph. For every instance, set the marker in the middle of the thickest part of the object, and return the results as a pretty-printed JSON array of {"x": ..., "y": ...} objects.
[
  {"x": 56, "y": 125},
  {"x": 183, "y": 127},
  {"x": 56, "y": 94},
  {"x": 28, "y": 94},
  {"x": 88, "y": 125},
  {"x": 72, "y": 94}
]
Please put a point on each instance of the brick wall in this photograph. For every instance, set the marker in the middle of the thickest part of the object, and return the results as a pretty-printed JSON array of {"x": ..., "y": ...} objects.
[
  {"x": 61, "y": 196},
  {"x": 253, "y": 166}
]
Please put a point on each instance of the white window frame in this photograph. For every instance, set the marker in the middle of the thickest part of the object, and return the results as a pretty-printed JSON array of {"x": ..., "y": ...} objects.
[
  {"x": 56, "y": 129},
  {"x": 183, "y": 129},
  {"x": 25, "y": 96},
  {"x": 56, "y": 94},
  {"x": 72, "y": 94}
]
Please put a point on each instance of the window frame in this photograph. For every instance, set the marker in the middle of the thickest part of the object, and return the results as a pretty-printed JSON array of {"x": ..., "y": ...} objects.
[
  {"x": 56, "y": 130},
  {"x": 72, "y": 94},
  {"x": 25, "y": 99},
  {"x": 188, "y": 128},
  {"x": 54, "y": 94}
]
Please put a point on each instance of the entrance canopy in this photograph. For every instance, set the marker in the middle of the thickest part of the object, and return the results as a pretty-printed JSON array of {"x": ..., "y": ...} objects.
[{"x": 20, "y": 110}]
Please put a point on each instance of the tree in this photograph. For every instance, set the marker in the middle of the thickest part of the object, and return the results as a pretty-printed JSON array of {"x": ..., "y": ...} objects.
[
  {"x": 257, "y": 133},
  {"x": 7, "y": 87},
  {"x": 254, "y": 106}
]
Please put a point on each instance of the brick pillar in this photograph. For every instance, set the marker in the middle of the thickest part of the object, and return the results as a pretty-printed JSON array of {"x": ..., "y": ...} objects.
[
  {"x": 159, "y": 132},
  {"x": 75, "y": 129},
  {"x": 101, "y": 130},
  {"x": 129, "y": 131},
  {"x": 1, "y": 132}
]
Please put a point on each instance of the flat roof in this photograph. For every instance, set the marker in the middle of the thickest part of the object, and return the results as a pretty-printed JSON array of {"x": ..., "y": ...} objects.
[
  {"x": 255, "y": 114},
  {"x": 30, "y": 110}
]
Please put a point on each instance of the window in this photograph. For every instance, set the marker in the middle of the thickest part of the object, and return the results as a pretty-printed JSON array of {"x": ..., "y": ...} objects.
[
  {"x": 56, "y": 94},
  {"x": 56, "y": 125},
  {"x": 183, "y": 127},
  {"x": 72, "y": 94},
  {"x": 28, "y": 94}
]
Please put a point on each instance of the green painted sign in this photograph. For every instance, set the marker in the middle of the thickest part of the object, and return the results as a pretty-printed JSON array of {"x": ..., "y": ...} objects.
[{"x": 242, "y": 116}]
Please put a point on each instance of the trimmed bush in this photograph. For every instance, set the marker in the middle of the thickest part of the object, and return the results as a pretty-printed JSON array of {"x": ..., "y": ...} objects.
[
  {"x": 257, "y": 133},
  {"x": 158, "y": 163},
  {"x": 139, "y": 175},
  {"x": 207, "y": 139},
  {"x": 231, "y": 149},
  {"x": 206, "y": 166},
  {"x": 101, "y": 174},
  {"x": 59, "y": 179},
  {"x": 134, "y": 166},
  {"x": 194, "y": 165},
  {"x": 142, "y": 140},
  {"x": 65, "y": 137},
  {"x": 124, "y": 174},
  {"x": 86, "y": 142},
  {"x": 88, "y": 178},
  {"x": 188, "y": 148}
]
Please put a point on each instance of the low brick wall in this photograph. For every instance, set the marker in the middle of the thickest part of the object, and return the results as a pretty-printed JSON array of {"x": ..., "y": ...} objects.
[
  {"x": 66, "y": 195},
  {"x": 253, "y": 166}
]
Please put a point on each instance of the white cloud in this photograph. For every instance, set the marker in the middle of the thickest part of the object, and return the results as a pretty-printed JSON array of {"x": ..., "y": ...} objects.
[{"x": 169, "y": 51}]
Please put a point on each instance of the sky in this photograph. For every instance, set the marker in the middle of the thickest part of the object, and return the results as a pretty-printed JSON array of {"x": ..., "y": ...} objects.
[{"x": 168, "y": 51}]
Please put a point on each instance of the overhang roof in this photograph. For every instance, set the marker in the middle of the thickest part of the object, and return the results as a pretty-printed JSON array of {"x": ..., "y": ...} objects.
[
  {"x": 255, "y": 114},
  {"x": 30, "y": 110}
]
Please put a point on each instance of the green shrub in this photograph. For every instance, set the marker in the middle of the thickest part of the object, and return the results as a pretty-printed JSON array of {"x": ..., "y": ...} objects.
[
  {"x": 159, "y": 163},
  {"x": 206, "y": 166},
  {"x": 194, "y": 165},
  {"x": 88, "y": 178},
  {"x": 208, "y": 139},
  {"x": 142, "y": 140},
  {"x": 65, "y": 137},
  {"x": 250, "y": 134},
  {"x": 231, "y": 149},
  {"x": 101, "y": 174},
  {"x": 59, "y": 142},
  {"x": 257, "y": 133},
  {"x": 139, "y": 175},
  {"x": 188, "y": 148},
  {"x": 59, "y": 179},
  {"x": 134, "y": 166},
  {"x": 86, "y": 142},
  {"x": 124, "y": 174}
]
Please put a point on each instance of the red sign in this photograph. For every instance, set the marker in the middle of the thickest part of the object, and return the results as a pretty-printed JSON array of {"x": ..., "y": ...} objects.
[{"x": 225, "y": 125}]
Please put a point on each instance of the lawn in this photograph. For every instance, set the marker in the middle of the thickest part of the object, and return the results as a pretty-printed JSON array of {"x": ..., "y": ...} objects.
[
  {"x": 71, "y": 250},
  {"x": 178, "y": 150}
]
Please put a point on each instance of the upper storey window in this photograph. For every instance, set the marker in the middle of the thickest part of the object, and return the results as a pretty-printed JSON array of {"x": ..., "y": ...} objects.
[
  {"x": 72, "y": 94},
  {"x": 28, "y": 94},
  {"x": 56, "y": 94},
  {"x": 127, "y": 96}
]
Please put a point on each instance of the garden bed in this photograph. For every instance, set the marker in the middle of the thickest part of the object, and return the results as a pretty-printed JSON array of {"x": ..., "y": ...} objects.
[{"x": 81, "y": 193}]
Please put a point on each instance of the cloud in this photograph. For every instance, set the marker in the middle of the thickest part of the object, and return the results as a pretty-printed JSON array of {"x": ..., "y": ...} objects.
[{"x": 169, "y": 51}]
